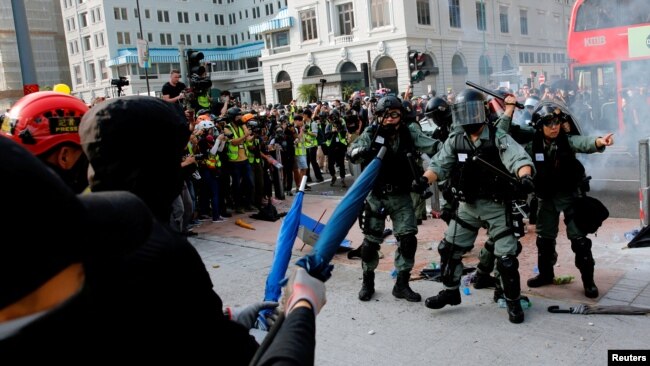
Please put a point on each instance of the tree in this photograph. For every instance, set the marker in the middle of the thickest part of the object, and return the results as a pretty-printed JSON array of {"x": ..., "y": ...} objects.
[
  {"x": 307, "y": 93},
  {"x": 350, "y": 87}
]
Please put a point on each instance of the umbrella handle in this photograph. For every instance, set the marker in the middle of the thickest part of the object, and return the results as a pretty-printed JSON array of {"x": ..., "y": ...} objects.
[
  {"x": 382, "y": 152},
  {"x": 556, "y": 309},
  {"x": 303, "y": 183}
]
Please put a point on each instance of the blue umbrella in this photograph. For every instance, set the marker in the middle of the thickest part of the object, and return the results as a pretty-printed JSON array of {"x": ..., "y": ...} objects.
[
  {"x": 282, "y": 255},
  {"x": 317, "y": 263}
]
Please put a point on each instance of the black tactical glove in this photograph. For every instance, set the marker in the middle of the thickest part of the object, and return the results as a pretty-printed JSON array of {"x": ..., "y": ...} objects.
[
  {"x": 420, "y": 184},
  {"x": 526, "y": 184}
]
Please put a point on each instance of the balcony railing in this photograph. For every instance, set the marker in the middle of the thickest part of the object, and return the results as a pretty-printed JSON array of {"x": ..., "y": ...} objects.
[
  {"x": 347, "y": 38},
  {"x": 226, "y": 75}
]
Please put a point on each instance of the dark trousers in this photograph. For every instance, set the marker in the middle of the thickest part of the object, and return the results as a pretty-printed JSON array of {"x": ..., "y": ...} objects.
[
  {"x": 312, "y": 162},
  {"x": 336, "y": 156},
  {"x": 242, "y": 183}
]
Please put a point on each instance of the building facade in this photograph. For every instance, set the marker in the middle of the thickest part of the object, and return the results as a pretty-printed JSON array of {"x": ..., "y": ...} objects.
[
  {"x": 102, "y": 43},
  {"x": 492, "y": 42},
  {"x": 48, "y": 43}
]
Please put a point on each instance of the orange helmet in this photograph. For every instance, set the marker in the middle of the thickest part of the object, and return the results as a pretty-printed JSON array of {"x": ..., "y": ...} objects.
[
  {"x": 39, "y": 121},
  {"x": 247, "y": 117},
  {"x": 203, "y": 117}
]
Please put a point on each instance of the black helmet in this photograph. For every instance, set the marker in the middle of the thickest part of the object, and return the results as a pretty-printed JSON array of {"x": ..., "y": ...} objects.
[
  {"x": 335, "y": 114},
  {"x": 322, "y": 115},
  {"x": 386, "y": 103},
  {"x": 409, "y": 112},
  {"x": 233, "y": 112},
  {"x": 469, "y": 108},
  {"x": 439, "y": 112},
  {"x": 545, "y": 113}
]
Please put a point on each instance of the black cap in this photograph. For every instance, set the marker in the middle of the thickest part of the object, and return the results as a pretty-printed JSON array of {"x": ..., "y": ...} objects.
[
  {"x": 48, "y": 227},
  {"x": 134, "y": 144}
]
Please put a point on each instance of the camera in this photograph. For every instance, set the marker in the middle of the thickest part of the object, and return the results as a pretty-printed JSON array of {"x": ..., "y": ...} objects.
[
  {"x": 200, "y": 85},
  {"x": 122, "y": 81}
]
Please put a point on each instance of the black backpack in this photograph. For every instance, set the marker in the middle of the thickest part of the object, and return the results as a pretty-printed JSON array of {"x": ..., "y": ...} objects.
[
  {"x": 267, "y": 213},
  {"x": 589, "y": 214}
]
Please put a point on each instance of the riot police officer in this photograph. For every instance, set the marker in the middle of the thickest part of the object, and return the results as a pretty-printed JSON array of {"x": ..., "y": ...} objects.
[
  {"x": 390, "y": 195},
  {"x": 483, "y": 198},
  {"x": 559, "y": 182},
  {"x": 438, "y": 111}
]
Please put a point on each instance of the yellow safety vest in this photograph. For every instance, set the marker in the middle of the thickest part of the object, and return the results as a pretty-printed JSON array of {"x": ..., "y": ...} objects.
[
  {"x": 310, "y": 141},
  {"x": 251, "y": 157},
  {"x": 233, "y": 150}
]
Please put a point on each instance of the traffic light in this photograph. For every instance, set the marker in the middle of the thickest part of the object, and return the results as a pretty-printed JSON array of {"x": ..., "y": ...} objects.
[
  {"x": 194, "y": 66},
  {"x": 416, "y": 63}
]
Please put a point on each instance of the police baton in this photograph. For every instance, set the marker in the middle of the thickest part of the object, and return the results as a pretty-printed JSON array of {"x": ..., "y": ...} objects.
[
  {"x": 496, "y": 170},
  {"x": 427, "y": 193},
  {"x": 490, "y": 92}
]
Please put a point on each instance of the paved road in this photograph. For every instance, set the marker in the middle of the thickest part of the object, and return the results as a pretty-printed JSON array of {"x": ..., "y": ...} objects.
[{"x": 392, "y": 332}]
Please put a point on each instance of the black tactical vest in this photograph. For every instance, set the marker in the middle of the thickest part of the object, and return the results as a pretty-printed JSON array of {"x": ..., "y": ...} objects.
[
  {"x": 560, "y": 170},
  {"x": 395, "y": 172},
  {"x": 472, "y": 179}
]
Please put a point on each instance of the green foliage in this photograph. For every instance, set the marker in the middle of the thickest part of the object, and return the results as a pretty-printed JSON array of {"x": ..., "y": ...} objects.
[
  {"x": 350, "y": 87},
  {"x": 307, "y": 93}
]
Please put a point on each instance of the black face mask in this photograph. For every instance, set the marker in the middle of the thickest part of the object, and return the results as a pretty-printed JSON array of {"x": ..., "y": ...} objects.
[
  {"x": 388, "y": 130},
  {"x": 76, "y": 177},
  {"x": 473, "y": 128}
]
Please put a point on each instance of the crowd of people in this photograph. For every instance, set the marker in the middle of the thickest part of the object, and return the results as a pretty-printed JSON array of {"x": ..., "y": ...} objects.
[{"x": 141, "y": 171}]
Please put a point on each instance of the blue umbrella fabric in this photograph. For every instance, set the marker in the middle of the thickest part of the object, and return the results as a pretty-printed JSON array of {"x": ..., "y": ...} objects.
[
  {"x": 317, "y": 263},
  {"x": 282, "y": 255},
  {"x": 283, "y": 246}
]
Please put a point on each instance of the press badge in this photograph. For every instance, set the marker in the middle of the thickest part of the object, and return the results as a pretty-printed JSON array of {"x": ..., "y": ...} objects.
[
  {"x": 462, "y": 157},
  {"x": 379, "y": 139},
  {"x": 539, "y": 156}
]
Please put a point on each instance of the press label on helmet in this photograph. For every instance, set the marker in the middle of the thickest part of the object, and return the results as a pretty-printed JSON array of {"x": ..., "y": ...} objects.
[{"x": 64, "y": 124}]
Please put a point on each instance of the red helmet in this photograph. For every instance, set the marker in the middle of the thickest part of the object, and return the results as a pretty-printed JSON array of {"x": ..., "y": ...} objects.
[{"x": 42, "y": 120}]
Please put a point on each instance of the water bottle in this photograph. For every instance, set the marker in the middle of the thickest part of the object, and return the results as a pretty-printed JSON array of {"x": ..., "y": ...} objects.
[
  {"x": 631, "y": 234},
  {"x": 393, "y": 273},
  {"x": 525, "y": 303},
  {"x": 327, "y": 193},
  {"x": 536, "y": 270},
  {"x": 561, "y": 280}
]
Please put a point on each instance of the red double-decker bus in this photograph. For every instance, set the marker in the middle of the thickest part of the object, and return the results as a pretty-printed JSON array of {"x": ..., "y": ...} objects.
[{"x": 609, "y": 58}]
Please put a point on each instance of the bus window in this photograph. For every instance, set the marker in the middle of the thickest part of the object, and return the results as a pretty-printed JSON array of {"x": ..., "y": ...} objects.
[
  {"x": 599, "y": 14},
  {"x": 596, "y": 103}
]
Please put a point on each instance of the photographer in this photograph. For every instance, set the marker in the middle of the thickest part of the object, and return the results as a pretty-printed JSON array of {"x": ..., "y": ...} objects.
[
  {"x": 210, "y": 142},
  {"x": 255, "y": 146},
  {"x": 337, "y": 144},
  {"x": 173, "y": 90}
]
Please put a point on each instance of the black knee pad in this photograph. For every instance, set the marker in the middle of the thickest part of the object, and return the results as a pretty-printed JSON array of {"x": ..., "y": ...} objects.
[
  {"x": 407, "y": 245},
  {"x": 369, "y": 251},
  {"x": 445, "y": 249},
  {"x": 508, "y": 264},
  {"x": 582, "y": 248},
  {"x": 519, "y": 247}
]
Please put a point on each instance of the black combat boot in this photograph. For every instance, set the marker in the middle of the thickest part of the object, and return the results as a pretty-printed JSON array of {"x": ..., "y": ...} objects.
[
  {"x": 498, "y": 294},
  {"x": 483, "y": 280},
  {"x": 401, "y": 290},
  {"x": 546, "y": 257},
  {"x": 444, "y": 297},
  {"x": 367, "y": 287},
  {"x": 515, "y": 312},
  {"x": 591, "y": 291}
]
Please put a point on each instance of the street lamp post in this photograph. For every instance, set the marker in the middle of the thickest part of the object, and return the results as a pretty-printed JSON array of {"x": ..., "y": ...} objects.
[
  {"x": 322, "y": 87},
  {"x": 146, "y": 70}
]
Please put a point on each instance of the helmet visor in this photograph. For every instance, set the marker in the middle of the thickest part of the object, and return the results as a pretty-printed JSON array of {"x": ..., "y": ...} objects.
[{"x": 468, "y": 113}]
